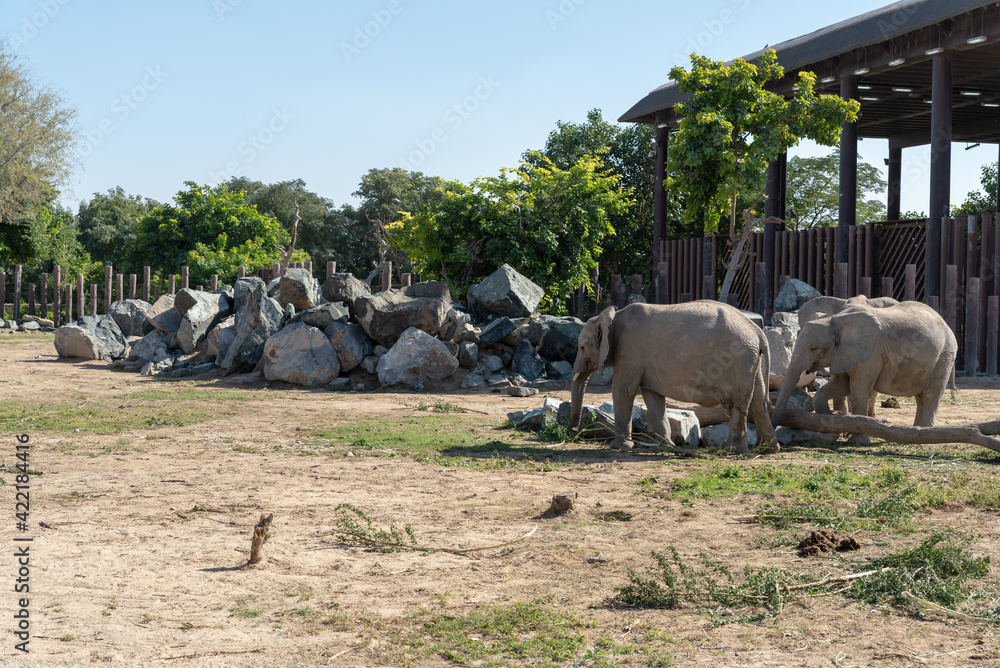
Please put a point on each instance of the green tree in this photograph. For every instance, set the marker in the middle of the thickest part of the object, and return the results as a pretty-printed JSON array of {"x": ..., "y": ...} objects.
[
  {"x": 212, "y": 230},
  {"x": 546, "y": 222},
  {"x": 109, "y": 225},
  {"x": 731, "y": 126},
  {"x": 981, "y": 201},
  {"x": 813, "y": 191},
  {"x": 36, "y": 137}
]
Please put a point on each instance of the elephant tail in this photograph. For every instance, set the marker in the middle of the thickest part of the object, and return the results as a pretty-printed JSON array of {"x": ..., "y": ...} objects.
[
  {"x": 954, "y": 389},
  {"x": 765, "y": 369}
]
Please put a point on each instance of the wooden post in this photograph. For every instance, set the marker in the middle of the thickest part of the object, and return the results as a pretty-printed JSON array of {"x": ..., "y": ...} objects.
[
  {"x": 242, "y": 272},
  {"x": 45, "y": 296},
  {"x": 616, "y": 285},
  {"x": 708, "y": 287},
  {"x": 309, "y": 267},
  {"x": 201, "y": 288},
  {"x": 331, "y": 269},
  {"x": 132, "y": 285},
  {"x": 935, "y": 303},
  {"x": 120, "y": 283},
  {"x": 81, "y": 296},
  {"x": 108, "y": 276},
  {"x": 972, "y": 328},
  {"x": 407, "y": 279},
  {"x": 950, "y": 301},
  {"x": 662, "y": 291},
  {"x": 842, "y": 282},
  {"x": 213, "y": 283},
  {"x": 581, "y": 301},
  {"x": 910, "y": 285},
  {"x": 831, "y": 260},
  {"x": 595, "y": 296},
  {"x": 57, "y": 296},
  {"x": 386, "y": 276},
  {"x": 17, "y": 292},
  {"x": 185, "y": 274},
  {"x": 985, "y": 282},
  {"x": 93, "y": 299},
  {"x": 156, "y": 292},
  {"x": 733, "y": 299},
  {"x": 145, "y": 283},
  {"x": 760, "y": 290},
  {"x": 69, "y": 303},
  {"x": 3, "y": 295},
  {"x": 887, "y": 287},
  {"x": 686, "y": 297},
  {"x": 31, "y": 299},
  {"x": 636, "y": 284},
  {"x": 992, "y": 329},
  {"x": 276, "y": 270},
  {"x": 866, "y": 286},
  {"x": 173, "y": 284}
]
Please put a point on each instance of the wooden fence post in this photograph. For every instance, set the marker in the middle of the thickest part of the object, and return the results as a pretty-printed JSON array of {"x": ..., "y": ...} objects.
[
  {"x": 145, "y": 283},
  {"x": 45, "y": 295},
  {"x": 69, "y": 302},
  {"x": 866, "y": 286},
  {"x": 108, "y": 277},
  {"x": 910, "y": 285},
  {"x": 992, "y": 330},
  {"x": 173, "y": 284},
  {"x": 3, "y": 295},
  {"x": 185, "y": 274},
  {"x": 972, "y": 328},
  {"x": 93, "y": 299},
  {"x": 17, "y": 292},
  {"x": 842, "y": 283},
  {"x": 760, "y": 291},
  {"x": 242, "y": 273},
  {"x": 213, "y": 283},
  {"x": 935, "y": 303},
  {"x": 81, "y": 297},
  {"x": 949, "y": 303},
  {"x": 31, "y": 299},
  {"x": 120, "y": 282},
  {"x": 156, "y": 293},
  {"x": 386, "y": 276},
  {"x": 616, "y": 287},
  {"x": 662, "y": 275},
  {"x": 331, "y": 269},
  {"x": 636, "y": 284},
  {"x": 887, "y": 287},
  {"x": 685, "y": 297},
  {"x": 57, "y": 296}
]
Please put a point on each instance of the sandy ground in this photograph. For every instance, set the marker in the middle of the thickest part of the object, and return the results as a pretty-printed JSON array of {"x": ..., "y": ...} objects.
[{"x": 141, "y": 539}]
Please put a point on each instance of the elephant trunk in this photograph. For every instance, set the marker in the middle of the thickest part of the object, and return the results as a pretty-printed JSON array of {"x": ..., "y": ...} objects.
[
  {"x": 580, "y": 379},
  {"x": 796, "y": 368}
]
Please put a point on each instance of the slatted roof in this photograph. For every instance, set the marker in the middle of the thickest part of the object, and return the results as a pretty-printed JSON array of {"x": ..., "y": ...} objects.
[{"x": 890, "y": 51}]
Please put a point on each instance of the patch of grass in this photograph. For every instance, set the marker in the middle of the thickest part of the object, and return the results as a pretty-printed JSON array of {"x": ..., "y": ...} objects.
[
  {"x": 874, "y": 511},
  {"x": 22, "y": 338},
  {"x": 120, "y": 446},
  {"x": 242, "y": 608},
  {"x": 414, "y": 434},
  {"x": 354, "y": 527},
  {"x": 495, "y": 636},
  {"x": 606, "y": 652},
  {"x": 440, "y": 406}
]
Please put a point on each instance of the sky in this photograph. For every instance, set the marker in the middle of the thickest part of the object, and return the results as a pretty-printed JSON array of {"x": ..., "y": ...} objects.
[{"x": 202, "y": 90}]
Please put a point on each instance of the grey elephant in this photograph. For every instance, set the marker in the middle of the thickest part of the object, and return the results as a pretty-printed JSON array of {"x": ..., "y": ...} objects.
[
  {"x": 906, "y": 350},
  {"x": 701, "y": 352}
]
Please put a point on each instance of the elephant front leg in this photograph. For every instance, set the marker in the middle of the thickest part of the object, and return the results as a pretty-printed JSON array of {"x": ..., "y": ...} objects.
[
  {"x": 835, "y": 390},
  {"x": 859, "y": 401},
  {"x": 656, "y": 406},
  {"x": 623, "y": 399}
]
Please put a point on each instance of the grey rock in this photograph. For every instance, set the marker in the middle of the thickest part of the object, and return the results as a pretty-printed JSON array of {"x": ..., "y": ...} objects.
[
  {"x": 561, "y": 339},
  {"x": 130, "y": 315},
  {"x": 299, "y": 288},
  {"x": 387, "y": 315},
  {"x": 559, "y": 370},
  {"x": 300, "y": 354},
  {"x": 418, "y": 387},
  {"x": 452, "y": 348},
  {"x": 30, "y": 326},
  {"x": 781, "y": 343},
  {"x": 429, "y": 290},
  {"x": 92, "y": 337},
  {"x": 221, "y": 336},
  {"x": 603, "y": 377},
  {"x": 685, "y": 430},
  {"x": 417, "y": 357},
  {"x": 379, "y": 350},
  {"x": 162, "y": 315},
  {"x": 151, "y": 348},
  {"x": 517, "y": 379},
  {"x": 717, "y": 435},
  {"x": 255, "y": 322},
  {"x": 793, "y": 294},
  {"x": 345, "y": 288},
  {"x": 202, "y": 312},
  {"x": 242, "y": 290},
  {"x": 787, "y": 435},
  {"x": 246, "y": 378},
  {"x": 473, "y": 381},
  {"x": 498, "y": 380},
  {"x": 289, "y": 311},
  {"x": 350, "y": 342},
  {"x": 43, "y": 322},
  {"x": 505, "y": 292},
  {"x": 192, "y": 370},
  {"x": 787, "y": 319},
  {"x": 522, "y": 391},
  {"x": 527, "y": 362},
  {"x": 755, "y": 318},
  {"x": 532, "y": 419},
  {"x": 370, "y": 364},
  {"x": 170, "y": 341},
  {"x": 492, "y": 362},
  {"x": 186, "y": 298},
  {"x": 454, "y": 323},
  {"x": 321, "y": 316},
  {"x": 156, "y": 368},
  {"x": 635, "y": 299},
  {"x": 492, "y": 333},
  {"x": 341, "y": 383},
  {"x": 468, "y": 354}
]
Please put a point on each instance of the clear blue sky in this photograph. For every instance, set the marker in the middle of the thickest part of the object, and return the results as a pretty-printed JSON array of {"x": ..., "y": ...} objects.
[{"x": 202, "y": 89}]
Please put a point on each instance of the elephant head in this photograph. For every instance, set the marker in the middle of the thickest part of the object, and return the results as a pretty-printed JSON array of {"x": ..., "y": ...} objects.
[
  {"x": 840, "y": 342},
  {"x": 594, "y": 351}
]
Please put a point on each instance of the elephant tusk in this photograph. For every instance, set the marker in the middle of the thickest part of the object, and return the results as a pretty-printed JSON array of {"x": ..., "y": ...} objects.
[{"x": 576, "y": 375}]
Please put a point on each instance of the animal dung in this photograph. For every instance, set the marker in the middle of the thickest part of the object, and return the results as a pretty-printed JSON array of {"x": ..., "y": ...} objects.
[
  {"x": 824, "y": 542},
  {"x": 562, "y": 503}
]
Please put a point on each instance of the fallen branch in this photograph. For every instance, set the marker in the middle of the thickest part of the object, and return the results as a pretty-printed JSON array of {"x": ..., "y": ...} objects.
[
  {"x": 261, "y": 533},
  {"x": 927, "y": 606},
  {"x": 291, "y": 244},
  {"x": 857, "y": 424},
  {"x": 417, "y": 548},
  {"x": 839, "y": 578}
]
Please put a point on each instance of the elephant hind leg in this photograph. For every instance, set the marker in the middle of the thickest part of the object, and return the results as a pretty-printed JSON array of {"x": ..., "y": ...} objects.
[
  {"x": 656, "y": 405},
  {"x": 737, "y": 442},
  {"x": 767, "y": 441},
  {"x": 623, "y": 398}
]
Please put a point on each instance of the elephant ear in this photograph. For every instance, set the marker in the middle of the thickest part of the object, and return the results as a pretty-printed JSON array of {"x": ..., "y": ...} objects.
[
  {"x": 855, "y": 336},
  {"x": 604, "y": 335}
]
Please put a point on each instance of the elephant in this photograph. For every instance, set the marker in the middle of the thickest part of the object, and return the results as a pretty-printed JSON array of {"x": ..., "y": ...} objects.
[
  {"x": 904, "y": 350},
  {"x": 702, "y": 352}
]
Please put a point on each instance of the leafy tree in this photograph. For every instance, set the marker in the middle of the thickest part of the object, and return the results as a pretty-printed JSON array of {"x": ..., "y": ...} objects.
[
  {"x": 46, "y": 239},
  {"x": 984, "y": 201},
  {"x": 731, "y": 126},
  {"x": 813, "y": 191},
  {"x": 109, "y": 225},
  {"x": 36, "y": 135},
  {"x": 546, "y": 222},
  {"x": 212, "y": 230}
]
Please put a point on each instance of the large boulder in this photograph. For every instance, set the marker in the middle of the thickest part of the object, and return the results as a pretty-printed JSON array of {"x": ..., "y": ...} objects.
[
  {"x": 560, "y": 338},
  {"x": 257, "y": 320},
  {"x": 454, "y": 324},
  {"x": 350, "y": 342},
  {"x": 221, "y": 336},
  {"x": 151, "y": 348},
  {"x": 527, "y": 362},
  {"x": 163, "y": 316},
  {"x": 505, "y": 292},
  {"x": 321, "y": 316},
  {"x": 417, "y": 357},
  {"x": 781, "y": 343},
  {"x": 300, "y": 354},
  {"x": 243, "y": 288},
  {"x": 793, "y": 294},
  {"x": 93, "y": 337},
  {"x": 499, "y": 329},
  {"x": 388, "y": 314},
  {"x": 202, "y": 312},
  {"x": 298, "y": 288},
  {"x": 345, "y": 288},
  {"x": 130, "y": 315}
]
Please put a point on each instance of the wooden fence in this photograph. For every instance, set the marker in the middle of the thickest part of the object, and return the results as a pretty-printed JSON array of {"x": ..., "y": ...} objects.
[{"x": 885, "y": 259}]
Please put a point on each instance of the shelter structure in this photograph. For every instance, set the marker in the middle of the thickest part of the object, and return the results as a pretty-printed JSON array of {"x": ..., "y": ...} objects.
[{"x": 924, "y": 71}]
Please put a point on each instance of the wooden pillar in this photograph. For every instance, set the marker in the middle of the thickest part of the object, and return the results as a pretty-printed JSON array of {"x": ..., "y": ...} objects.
[
  {"x": 3, "y": 295},
  {"x": 940, "y": 171},
  {"x": 81, "y": 296},
  {"x": 992, "y": 329},
  {"x": 848, "y": 171},
  {"x": 888, "y": 289},
  {"x": 145, "y": 283},
  {"x": 770, "y": 229},
  {"x": 93, "y": 299},
  {"x": 213, "y": 284},
  {"x": 760, "y": 289},
  {"x": 866, "y": 286},
  {"x": 659, "y": 191},
  {"x": 972, "y": 328},
  {"x": 69, "y": 303},
  {"x": 242, "y": 272},
  {"x": 31, "y": 299},
  {"x": 662, "y": 289},
  {"x": 45, "y": 296},
  {"x": 894, "y": 180},
  {"x": 595, "y": 290},
  {"x": 331, "y": 269},
  {"x": 841, "y": 283},
  {"x": 156, "y": 293},
  {"x": 910, "y": 284},
  {"x": 185, "y": 274},
  {"x": 120, "y": 282},
  {"x": 108, "y": 277},
  {"x": 17, "y": 292},
  {"x": 616, "y": 286},
  {"x": 173, "y": 284},
  {"x": 386, "y": 276},
  {"x": 950, "y": 302},
  {"x": 57, "y": 295},
  {"x": 831, "y": 259}
]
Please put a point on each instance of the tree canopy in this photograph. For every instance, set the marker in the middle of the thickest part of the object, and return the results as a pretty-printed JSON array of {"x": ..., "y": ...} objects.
[
  {"x": 109, "y": 225},
  {"x": 981, "y": 201},
  {"x": 731, "y": 127},
  {"x": 813, "y": 192}
]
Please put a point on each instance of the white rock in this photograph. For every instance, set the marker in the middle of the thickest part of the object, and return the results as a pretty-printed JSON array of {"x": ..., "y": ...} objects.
[{"x": 300, "y": 354}]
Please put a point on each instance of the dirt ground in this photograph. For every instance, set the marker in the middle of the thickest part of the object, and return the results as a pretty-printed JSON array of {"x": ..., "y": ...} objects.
[{"x": 141, "y": 537}]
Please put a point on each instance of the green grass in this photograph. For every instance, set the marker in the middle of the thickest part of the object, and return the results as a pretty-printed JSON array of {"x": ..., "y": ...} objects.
[
  {"x": 243, "y": 610},
  {"x": 23, "y": 338}
]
